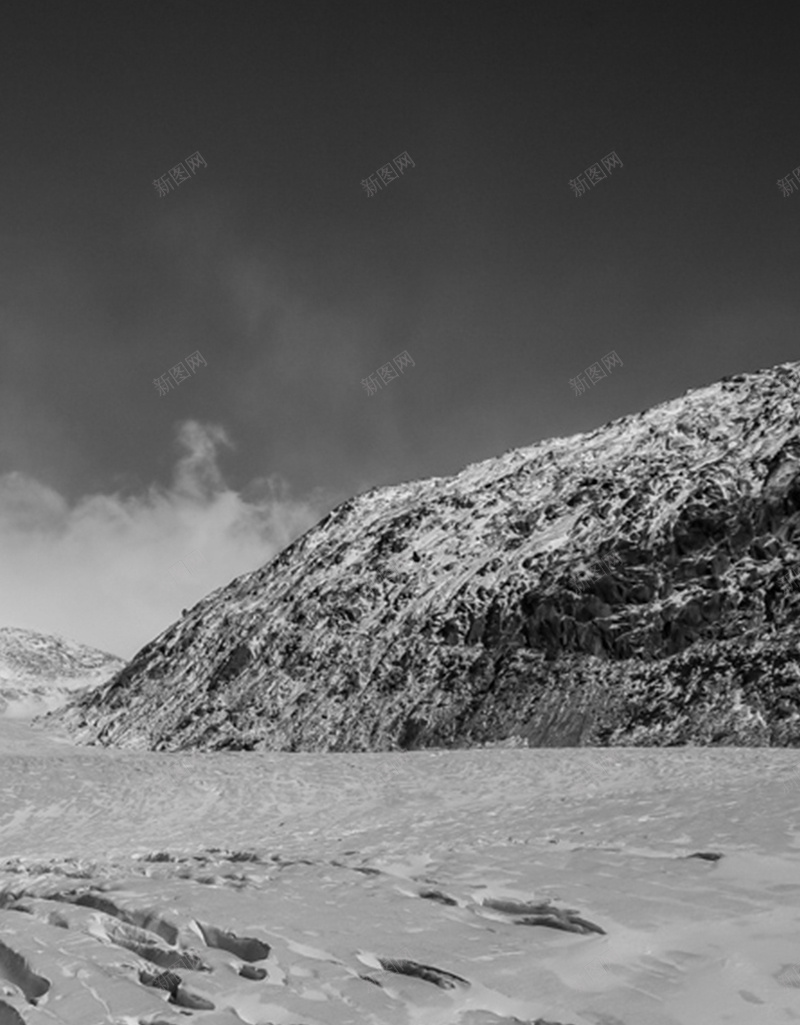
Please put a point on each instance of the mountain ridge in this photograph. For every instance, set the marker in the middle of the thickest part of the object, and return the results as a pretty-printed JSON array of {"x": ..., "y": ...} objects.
[
  {"x": 40, "y": 671},
  {"x": 461, "y": 610}
]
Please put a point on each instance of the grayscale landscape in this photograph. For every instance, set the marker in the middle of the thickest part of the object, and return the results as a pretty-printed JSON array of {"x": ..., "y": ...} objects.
[
  {"x": 239, "y": 825},
  {"x": 399, "y": 513}
]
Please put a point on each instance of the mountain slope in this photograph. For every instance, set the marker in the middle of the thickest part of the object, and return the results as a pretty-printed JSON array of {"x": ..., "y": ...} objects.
[
  {"x": 476, "y": 608},
  {"x": 41, "y": 671}
]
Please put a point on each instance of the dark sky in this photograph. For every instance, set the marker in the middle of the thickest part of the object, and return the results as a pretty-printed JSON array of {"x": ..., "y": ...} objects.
[{"x": 294, "y": 285}]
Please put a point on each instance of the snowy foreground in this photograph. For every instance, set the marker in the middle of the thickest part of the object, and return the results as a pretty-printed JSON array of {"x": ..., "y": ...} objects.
[{"x": 551, "y": 884}]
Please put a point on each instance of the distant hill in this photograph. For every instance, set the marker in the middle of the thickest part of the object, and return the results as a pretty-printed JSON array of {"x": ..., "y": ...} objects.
[
  {"x": 39, "y": 672},
  {"x": 634, "y": 584}
]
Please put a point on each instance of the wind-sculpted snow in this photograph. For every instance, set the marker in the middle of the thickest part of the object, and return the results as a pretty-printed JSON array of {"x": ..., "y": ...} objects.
[
  {"x": 440, "y": 978},
  {"x": 247, "y": 948},
  {"x": 482, "y": 887},
  {"x": 543, "y": 914},
  {"x": 10, "y": 1015},
  {"x": 147, "y": 920},
  {"x": 636, "y": 584},
  {"x": 15, "y": 969}
]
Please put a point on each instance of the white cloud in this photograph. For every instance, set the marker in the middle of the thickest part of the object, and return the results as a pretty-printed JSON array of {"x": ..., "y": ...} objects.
[{"x": 114, "y": 571}]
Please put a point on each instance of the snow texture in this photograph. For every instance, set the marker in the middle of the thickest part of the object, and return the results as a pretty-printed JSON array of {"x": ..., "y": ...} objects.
[{"x": 581, "y": 887}]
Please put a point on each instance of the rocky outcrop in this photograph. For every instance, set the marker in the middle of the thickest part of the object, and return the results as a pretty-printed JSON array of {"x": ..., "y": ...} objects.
[{"x": 632, "y": 585}]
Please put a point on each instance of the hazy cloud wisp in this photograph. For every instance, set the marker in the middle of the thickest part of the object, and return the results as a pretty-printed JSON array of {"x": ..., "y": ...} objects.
[{"x": 114, "y": 571}]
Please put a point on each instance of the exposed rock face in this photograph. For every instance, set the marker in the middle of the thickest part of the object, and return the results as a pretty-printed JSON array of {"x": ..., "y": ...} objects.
[
  {"x": 476, "y": 608},
  {"x": 40, "y": 671}
]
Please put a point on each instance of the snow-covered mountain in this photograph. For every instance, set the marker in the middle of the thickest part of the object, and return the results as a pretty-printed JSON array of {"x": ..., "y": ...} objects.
[
  {"x": 629, "y": 585},
  {"x": 39, "y": 672}
]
